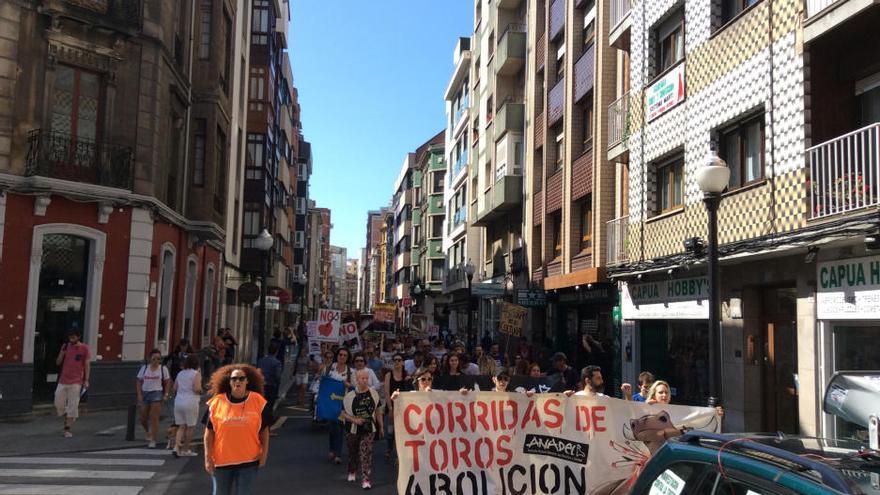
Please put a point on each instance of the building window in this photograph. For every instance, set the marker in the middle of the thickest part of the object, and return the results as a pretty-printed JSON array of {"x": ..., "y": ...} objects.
[
  {"x": 205, "y": 13},
  {"x": 235, "y": 227},
  {"x": 491, "y": 44},
  {"x": 560, "y": 62},
  {"x": 670, "y": 41},
  {"x": 208, "y": 305},
  {"x": 437, "y": 226},
  {"x": 220, "y": 173},
  {"x": 490, "y": 109},
  {"x": 257, "y": 150},
  {"x": 587, "y": 125},
  {"x": 189, "y": 299},
  {"x": 438, "y": 184},
  {"x": 76, "y": 104},
  {"x": 589, "y": 23},
  {"x": 742, "y": 147},
  {"x": 260, "y": 22},
  {"x": 586, "y": 227},
  {"x": 166, "y": 283},
  {"x": 227, "y": 56},
  {"x": 436, "y": 270},
  {"x": 560, "y": 148},
  {"x": 557, "y": 236},
  {"x": 199, "y": 143},
  {"x": 257, "y": 88},
  {"x": 670, "y": 184},
  {"x": 732, "y": 8}
]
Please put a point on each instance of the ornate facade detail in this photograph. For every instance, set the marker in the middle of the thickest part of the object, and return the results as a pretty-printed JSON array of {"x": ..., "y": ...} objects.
[{"x": 40, "y": 204}]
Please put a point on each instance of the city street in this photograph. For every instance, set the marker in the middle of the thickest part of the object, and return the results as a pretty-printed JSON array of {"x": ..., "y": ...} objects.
[{"x": 296, "y": 462}]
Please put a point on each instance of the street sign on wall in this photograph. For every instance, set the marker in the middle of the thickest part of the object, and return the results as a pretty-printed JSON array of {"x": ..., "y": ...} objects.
[{"x": 535, "y": 298}]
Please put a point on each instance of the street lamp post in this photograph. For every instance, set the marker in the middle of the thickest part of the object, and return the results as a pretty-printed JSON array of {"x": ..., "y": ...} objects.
[
  {"x": 264, "y": 244},
  {"x": 469, "y": 273},
  {"x": 712, "y": 179},
  {"x": 303, "y": 280}
]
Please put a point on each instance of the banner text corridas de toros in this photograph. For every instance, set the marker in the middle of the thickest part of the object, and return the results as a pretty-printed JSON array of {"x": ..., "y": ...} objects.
[{"x": 491, "y": 443}]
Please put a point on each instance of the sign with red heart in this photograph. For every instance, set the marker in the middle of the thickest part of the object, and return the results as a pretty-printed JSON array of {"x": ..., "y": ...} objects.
[{"x": 328, "y": 325}]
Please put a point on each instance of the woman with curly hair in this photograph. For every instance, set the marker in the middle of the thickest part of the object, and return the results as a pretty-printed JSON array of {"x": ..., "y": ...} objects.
[{"x": 237, "y": 431}]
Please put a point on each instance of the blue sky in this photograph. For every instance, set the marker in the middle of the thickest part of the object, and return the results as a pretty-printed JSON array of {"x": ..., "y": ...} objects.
[{"x": 371, "y": 76}]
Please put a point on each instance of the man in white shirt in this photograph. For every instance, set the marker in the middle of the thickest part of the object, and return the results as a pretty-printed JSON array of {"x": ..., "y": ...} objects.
[{"x": 411, "y": 365}]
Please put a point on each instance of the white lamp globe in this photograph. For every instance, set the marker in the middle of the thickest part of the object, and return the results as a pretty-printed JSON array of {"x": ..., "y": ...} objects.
[
  {"x": 714, "y": 176},
  {"x": 264, "y": 241}
]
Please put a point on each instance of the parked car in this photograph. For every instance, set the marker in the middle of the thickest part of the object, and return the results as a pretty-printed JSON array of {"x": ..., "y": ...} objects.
[
  {"x": 710, "y": 463},
  {"x": 701, "y": 463}
]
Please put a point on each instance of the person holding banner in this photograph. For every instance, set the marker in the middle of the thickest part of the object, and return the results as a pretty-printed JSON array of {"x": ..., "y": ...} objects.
[
  {"x": 339, "y": 371},
  {"x": 660, "y": 393},
  {"x": 361, "y": 410},
  {"x": 395, "y": 381}
]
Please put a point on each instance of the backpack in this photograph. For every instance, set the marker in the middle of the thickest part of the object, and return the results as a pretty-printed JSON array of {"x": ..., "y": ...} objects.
[{"x": 164, "y": 371}]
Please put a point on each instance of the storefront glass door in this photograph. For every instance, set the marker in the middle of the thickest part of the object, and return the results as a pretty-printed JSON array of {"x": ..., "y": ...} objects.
[
  {"x": 856, "y": 348},
  {"x": 677, "y": 351}
]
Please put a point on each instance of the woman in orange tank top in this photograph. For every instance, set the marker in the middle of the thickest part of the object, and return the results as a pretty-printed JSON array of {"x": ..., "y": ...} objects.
[{"x": 237, "y": 429}]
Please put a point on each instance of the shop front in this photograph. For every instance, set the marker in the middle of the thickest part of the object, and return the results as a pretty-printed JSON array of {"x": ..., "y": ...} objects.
[
  {"x": 582, "y": 328},
  {"x": 665, "y": 323},
  {"x": 848, "y": 319}
]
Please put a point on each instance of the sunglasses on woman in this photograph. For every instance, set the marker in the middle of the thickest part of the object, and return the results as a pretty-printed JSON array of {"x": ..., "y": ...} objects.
[
  {"x": 237, "y": 378},
  {"x": 398, "y": 360},
  {"x": 426, "y": 379}
]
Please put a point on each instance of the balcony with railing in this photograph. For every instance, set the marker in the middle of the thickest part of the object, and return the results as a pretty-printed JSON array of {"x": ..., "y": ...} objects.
[
  {"x": 618, "y": 127},
  {"x": 457, "y": 167},
  {"x": 556, "y": 103},
  {"x": 845, "y": 173},
  {"x": 822, "y": 16},
  {"x": 505, "y": 194},
  {"x": 62, "y": 156},
  {"x": 511, "y": 117},
  {"x": 459, "y": 217},
  {"x": 617, "y": 243},
  {"x": 618, "y": 36},
  {"x": 511, "y": 54},
  {"x": 460, "y": 111}
]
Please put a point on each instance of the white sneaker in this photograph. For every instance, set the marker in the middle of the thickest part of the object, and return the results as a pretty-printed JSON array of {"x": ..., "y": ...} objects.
[
  {"x": 190, "y": 453},
  {"x": 352, "y": 477},
  {"x": 366, "y": 485},
  {"x": 152, "y": 444}
]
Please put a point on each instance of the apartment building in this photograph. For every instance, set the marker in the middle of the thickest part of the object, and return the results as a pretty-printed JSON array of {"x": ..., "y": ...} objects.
[
  {"x": 314, "y": 273},
  {"x": 754, "y": 83},
  {"x": 301, "y": 253},
  {"x": 232, "y": 313},
  {"x": 429, "y": 214},
  {"x": 324, "y": 254},
  {"x": 462, "y": 239},
  {"x": 497, "y": 152},
  {"x": 570, "y": 188},
  {"x": 401, "y": 234},
  {"x": 114, "y": 156},
  {"x": 338, "y": 267}
]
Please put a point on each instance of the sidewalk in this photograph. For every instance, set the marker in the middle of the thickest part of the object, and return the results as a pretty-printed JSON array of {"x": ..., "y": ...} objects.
[{"x": 41, "y": 433}]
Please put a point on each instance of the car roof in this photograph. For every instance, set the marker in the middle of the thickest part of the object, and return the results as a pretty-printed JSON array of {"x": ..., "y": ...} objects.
[{"x": 839, "y": 465}]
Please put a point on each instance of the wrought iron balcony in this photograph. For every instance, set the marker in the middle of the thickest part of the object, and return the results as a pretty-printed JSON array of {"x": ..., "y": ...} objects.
[
  {"x": 845, "y": 172},
  {"x": 62, "y": 156}
]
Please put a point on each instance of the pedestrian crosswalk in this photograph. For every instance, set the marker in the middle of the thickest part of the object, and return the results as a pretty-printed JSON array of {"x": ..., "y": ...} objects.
[{"x": 109, "y": 472}]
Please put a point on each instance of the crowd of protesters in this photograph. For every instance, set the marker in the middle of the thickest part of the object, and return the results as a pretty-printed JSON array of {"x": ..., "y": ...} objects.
[{"x": 241, "y": 397}]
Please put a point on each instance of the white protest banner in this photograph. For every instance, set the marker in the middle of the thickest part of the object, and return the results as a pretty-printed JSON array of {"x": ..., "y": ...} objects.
[
  {"x": 328, "y": 325},
  {"x": 349, "y": 337},
  {"x": 491, "y": 443}
]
